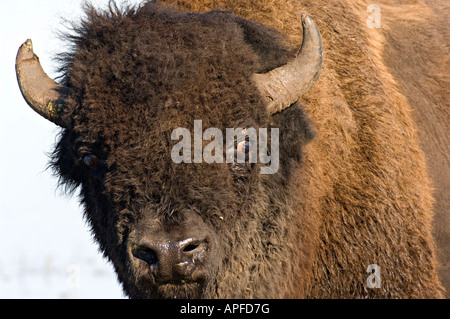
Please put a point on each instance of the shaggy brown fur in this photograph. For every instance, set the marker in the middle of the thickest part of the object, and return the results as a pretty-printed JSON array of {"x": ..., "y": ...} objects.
[
  {"x": 360, "y": 194},
  {"x": 368, "y": 118},
  {"x": 422, "y": 35}
]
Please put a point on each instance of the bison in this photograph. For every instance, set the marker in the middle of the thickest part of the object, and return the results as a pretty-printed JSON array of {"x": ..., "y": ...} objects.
[{"x": 347, "y": 214}]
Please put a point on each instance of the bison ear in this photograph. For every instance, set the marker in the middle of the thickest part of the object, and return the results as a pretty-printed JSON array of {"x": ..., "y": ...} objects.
[{"x": 296, "y": 130}]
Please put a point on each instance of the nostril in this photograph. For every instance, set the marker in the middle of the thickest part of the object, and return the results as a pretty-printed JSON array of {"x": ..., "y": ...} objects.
[
  {"x": 147, "y": 255},
  {"x": 190, "y": 247},
  {"x": 193, "y": 246}
]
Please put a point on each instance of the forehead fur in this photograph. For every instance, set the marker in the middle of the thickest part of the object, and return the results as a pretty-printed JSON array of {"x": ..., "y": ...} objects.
[{"x": 157, "y": 68}]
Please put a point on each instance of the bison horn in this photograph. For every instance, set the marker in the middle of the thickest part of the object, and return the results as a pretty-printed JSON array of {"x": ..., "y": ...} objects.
[
  {"x": 44, "y": 95},
  {"x": 283, "y": 86}
]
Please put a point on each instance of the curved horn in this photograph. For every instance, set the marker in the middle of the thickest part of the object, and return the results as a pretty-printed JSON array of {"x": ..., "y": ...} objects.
[
  {"x": 44, "y": 95},
  {"x": 283, "y": 86}
]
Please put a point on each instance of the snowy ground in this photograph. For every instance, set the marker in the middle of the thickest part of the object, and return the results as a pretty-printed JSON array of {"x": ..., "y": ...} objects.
[
  {"x": 51, "y": 255},
  {"x": 46, "y": 250}
]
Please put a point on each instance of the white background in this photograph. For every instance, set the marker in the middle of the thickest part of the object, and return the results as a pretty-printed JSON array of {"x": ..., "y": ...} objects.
[{"x": 46, "y": 249}]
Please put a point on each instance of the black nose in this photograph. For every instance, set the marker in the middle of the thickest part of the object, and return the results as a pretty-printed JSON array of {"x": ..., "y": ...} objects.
[{"x": 172, "y": 260}]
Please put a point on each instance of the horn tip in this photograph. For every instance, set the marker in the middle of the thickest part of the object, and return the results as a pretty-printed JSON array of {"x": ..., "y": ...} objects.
[
  {"x": 306, "y": 18},
  {"x": 27, "y": 45},
  {"x": 25, "y": 51}
]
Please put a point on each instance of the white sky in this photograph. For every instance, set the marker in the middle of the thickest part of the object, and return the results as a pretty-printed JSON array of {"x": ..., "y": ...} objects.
[{"x": 46, "y": 250}]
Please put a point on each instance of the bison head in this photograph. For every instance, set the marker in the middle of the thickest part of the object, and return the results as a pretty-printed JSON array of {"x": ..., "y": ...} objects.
[{"x": 180, "y": 229}]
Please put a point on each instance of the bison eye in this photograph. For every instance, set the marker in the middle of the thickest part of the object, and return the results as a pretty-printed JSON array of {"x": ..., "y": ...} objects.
[
  {"x": 244, "y": 147},
  {"x": 91, "y": 161}
]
